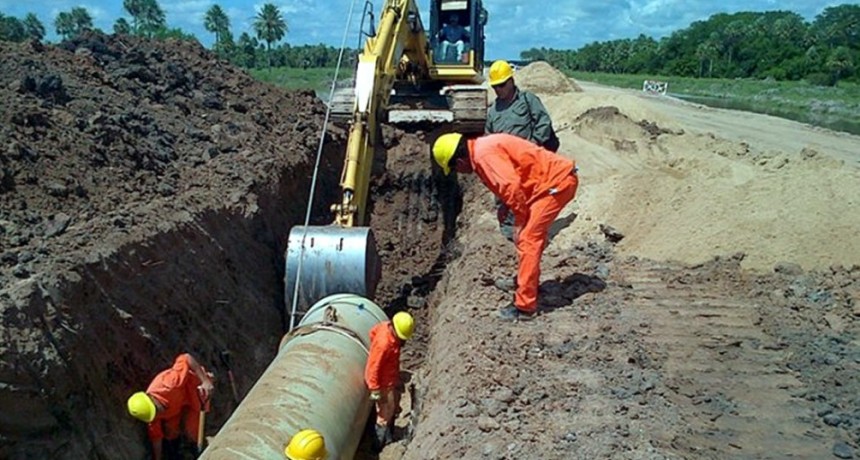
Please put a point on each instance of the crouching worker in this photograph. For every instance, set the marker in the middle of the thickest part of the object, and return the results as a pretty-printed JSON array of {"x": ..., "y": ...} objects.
[
  {"x": 306, "y": 445},
  {"x": 172, "y": 404},
  {"x": 382, "y": 373}
]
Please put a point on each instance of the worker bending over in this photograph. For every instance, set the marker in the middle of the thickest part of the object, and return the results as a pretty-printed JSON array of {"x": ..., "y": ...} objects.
[
  {"x": 521, "y": 113},
  {"x": 174, "y": 397},
  {"x": 533, "y": 182},
  {"x": 382, "y": 373},
  {"x": 306, "y": 445}
]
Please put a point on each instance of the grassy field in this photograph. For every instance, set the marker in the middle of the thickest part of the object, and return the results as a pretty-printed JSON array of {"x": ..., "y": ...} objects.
[
  {"x": 318, "y": 79},
  {"x": 837, "y": 107}
]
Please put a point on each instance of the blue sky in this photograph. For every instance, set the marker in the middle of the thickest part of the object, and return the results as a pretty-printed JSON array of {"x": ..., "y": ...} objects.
[{"x": 514, "y": 25}]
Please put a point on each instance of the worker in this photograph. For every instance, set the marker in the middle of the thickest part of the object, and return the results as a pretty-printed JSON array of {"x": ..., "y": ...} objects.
[
  {"x": 517, "y": 111},
  {"x": 175, "y": 396},
  {"x": 382, "y": 373},
  {"x": 530, "y": 180},
  {"x": 306, "y": 445},
  {"x": 453, "y": 35},
  {"x": 522, "y": 114}
]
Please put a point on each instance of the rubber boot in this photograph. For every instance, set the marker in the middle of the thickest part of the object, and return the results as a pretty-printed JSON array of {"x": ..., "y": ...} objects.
[{"x": 383, "y": 436}]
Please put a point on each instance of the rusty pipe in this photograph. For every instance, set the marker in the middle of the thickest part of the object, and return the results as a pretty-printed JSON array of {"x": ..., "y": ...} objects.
[{"x": 315, "y": 381}]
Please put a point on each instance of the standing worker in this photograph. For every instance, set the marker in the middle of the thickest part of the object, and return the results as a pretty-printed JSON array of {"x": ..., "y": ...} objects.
[
  {"x": 530, "y": 180},
  {"x": 306, "y": 445},
  {"x": 517, "y": 111},
  {"x": 522, "y": 114},
  {"x": 382, "y": 373},
  {"x": 175, "y": 396}
]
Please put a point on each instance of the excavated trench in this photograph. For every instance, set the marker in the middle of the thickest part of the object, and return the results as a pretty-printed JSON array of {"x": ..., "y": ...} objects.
[
  {"x": 205, "y": 282},
  {"x": 146, "y": 196}
]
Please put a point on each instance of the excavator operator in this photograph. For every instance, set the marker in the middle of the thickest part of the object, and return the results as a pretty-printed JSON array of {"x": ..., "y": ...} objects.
[{"x": 532, "y": 181}]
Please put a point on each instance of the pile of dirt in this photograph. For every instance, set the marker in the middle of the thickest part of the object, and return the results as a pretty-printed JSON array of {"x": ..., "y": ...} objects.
[
  {"x": 542, "y": 78},
  {"x": 145, "y": 188}
]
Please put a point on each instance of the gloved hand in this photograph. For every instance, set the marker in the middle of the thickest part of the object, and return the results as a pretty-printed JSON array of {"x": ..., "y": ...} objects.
[{"x": 375, "y": 395}]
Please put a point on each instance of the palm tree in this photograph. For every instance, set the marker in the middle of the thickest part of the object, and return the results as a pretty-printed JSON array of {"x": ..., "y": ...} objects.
[
  {"x": 12, "y": 29},
  {"x": 82, "y": 19},
  {"x": 65, "y": 25},
  {"x": 74, "y": 22},
  {"x": 217, "y": 22},
  {"x": 121, "y": 26},
  {"x": 134, "y": 8},
  {"x": 34, "y": 27},
  {"x": 270, "y": 27},
  {"x": 153, "y": 17}
]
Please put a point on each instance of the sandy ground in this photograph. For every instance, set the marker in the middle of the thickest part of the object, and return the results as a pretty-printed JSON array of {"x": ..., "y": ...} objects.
[
  {"x": 723, "y": 324},
  {"x": 712, "y": 182}
]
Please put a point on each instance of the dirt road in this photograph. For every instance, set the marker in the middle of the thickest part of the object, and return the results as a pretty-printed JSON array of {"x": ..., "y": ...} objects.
[{"x": 752, "y": 128}]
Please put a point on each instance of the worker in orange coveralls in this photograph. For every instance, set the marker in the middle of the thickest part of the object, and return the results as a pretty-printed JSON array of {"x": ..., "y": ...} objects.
[
  {"x": 382, "y": 373},
  {"x": 176, "y": 395},
  {"x": 532, "y": 181}
]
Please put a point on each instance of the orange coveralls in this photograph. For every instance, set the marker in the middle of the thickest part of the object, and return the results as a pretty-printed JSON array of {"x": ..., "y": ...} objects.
[
  {"x": 535, "y": 184},
  {"x": 176, "y": 390},
  {"x": 383, "y": 371}
]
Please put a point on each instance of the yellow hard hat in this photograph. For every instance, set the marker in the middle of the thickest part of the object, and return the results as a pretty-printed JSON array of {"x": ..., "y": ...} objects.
[
  {"x": 404, "y": 324},
  {"x": 306, "y": 445},
  {"x": 444, "y": 149},
  {"x": 141, "y": 407},
  {"x": 500, "y": 72}
]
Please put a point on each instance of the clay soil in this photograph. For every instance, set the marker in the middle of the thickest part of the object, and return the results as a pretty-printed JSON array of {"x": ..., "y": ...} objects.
[{"x": 699, "y": 298}]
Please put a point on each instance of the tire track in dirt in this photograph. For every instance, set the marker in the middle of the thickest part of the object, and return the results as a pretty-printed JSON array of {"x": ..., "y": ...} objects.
[{"x": 728, "y": 377}]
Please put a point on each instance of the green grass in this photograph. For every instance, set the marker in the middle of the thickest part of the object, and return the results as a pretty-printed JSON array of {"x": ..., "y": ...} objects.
[
  {"x": 318, "y": 79},
  {"x": 832, "y": 107}
]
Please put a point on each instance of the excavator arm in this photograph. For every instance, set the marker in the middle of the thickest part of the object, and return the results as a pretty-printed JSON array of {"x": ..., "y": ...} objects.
[
  {"x": 342, "y": 257},
  {"x": 399, "y": 51}
]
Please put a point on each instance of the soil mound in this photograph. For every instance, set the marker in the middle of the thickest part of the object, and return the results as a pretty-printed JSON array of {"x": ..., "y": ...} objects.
[
  {"x": 540, "y": 77},
  {"x": 103, "y": 124},
  {"x": 609, "y": 127}
]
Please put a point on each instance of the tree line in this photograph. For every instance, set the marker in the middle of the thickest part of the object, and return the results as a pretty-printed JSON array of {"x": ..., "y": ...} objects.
[
  {"x": 774, "y": 44},
  {"x": 147, "y": 19}
]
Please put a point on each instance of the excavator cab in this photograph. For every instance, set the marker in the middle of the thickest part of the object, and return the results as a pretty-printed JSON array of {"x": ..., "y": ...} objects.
[{"x": 456, "y": 33}]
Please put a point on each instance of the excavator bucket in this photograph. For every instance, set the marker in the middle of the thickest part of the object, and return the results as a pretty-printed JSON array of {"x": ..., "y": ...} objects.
[{"x": 329, "y": 260}]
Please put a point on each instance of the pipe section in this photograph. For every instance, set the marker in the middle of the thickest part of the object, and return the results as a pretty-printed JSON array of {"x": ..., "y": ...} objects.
[{"x": 316, "y": 381}]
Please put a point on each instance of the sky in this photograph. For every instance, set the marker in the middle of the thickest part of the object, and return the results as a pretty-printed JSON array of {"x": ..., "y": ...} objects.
[{"x": 514, "y": 25}]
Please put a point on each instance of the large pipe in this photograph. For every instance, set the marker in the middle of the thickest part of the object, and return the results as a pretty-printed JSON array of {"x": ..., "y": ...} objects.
[{"x": 316, "y": 381}]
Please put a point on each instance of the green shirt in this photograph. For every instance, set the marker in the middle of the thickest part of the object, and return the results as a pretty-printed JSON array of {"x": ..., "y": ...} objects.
[{"x": 524, "y": 116}]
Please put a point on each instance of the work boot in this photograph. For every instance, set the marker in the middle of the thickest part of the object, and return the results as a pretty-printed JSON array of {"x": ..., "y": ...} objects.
[
  {"x": 383, "y": 436},
  {"x": 512, "y": 313},
  {"x": 506, "y": 284}
]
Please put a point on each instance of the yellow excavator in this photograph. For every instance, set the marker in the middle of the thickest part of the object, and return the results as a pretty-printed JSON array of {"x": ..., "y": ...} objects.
[{"x": 406, "y": 73}]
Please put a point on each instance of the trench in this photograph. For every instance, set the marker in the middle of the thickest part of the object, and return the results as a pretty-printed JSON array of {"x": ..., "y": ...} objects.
[{"x": 209, "y": 282}]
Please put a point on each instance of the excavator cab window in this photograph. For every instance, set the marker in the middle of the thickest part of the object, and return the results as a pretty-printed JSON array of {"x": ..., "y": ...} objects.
[{"x": 457, "y": 31}]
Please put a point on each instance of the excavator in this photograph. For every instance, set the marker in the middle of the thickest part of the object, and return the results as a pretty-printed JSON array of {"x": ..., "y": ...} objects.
[{"x": 405, "y": 74}]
